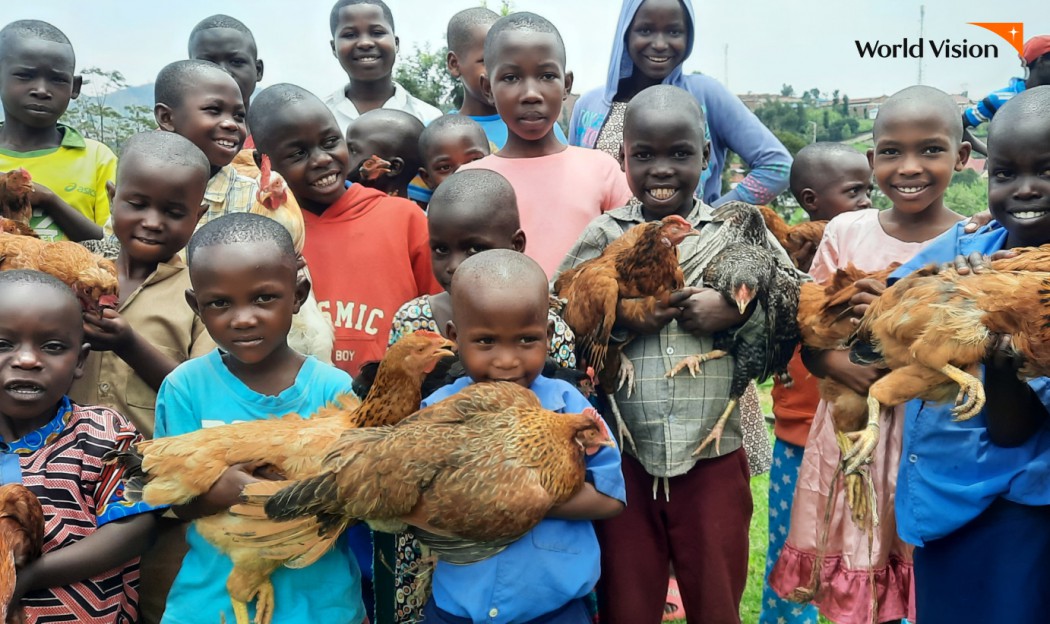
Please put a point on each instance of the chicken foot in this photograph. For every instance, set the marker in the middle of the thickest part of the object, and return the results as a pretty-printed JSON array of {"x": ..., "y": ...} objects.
[
  {"x": 716, "y": 431},
  {"x": 970, "y": 400},
  {"x": 859, "y": 503},
  {"x": 693, "y": 362},
  {"x": 625, "y": 376},
  {"x": 625, "y": 435}
]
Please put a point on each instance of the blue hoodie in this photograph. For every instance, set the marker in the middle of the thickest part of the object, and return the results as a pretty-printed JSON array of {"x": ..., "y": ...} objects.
[{"x": 730, "y": 125}]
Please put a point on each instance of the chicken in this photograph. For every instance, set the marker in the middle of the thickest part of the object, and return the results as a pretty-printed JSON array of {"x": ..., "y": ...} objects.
[
  {"x": 12, "y": 226},
  {"x": 15, "y": 187},
  {"x": 743, "y": 273},
  {"x": 800, "y": 241},
  {"x": 21, "y": 541},
  {"x": 639, "y": 268},
  {"x": 312, "y": 332},
  {"x": 178, "y": 469},
  {"x": 479, "y": 469},
  {"x": 933, "y": 327},
  {"x": 92, "y": 278}
]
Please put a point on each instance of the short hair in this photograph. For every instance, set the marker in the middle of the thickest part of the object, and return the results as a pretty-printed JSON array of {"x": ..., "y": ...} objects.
[
  {"x": 1035, "y": 104},
  {"x": 333, "y": 17},
  {"x": 459, "y": 27},
  {"x": 168, "y": 148},
  {"x": 238, "y": 228},
  {"x": 176, "y": 79},
  {"x": 665, "y": 98},
  {"x": 478, "y": 188},
  {"x": 223, "y": 21},
  {"x": 432, "y": 133},
  {"x": 501, "y": 269},
  {"x": 269, "y": 101},
  {"x": 930, "y": 99},
  {"x": 521, "y": 22},
  {"x": 28, "y": 276},
  {"x": 407, "y": 127},
  {"x": 33, "y": 29},
  {"x": 808, "y": 167}
]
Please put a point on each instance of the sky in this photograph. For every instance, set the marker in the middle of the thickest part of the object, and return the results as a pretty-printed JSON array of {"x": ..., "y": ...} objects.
[{"x": 753, "y": 46}]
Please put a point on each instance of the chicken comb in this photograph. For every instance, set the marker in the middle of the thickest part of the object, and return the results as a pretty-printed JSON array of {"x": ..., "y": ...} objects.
[
  {"x": 426, "y": 333},
  {"x": 675, "y": 219},
  {"x": 264, "y": 172}
]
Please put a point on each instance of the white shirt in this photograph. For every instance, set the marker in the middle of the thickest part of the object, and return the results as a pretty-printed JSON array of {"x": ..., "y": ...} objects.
[{"x": 345, "y": 111}]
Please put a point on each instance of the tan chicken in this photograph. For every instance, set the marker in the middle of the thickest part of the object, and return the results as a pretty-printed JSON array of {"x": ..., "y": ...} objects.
[
  {"x": 21, "y": 541},
  {"x": 15, "y": 188},
  {"x": 92, "y": 278},
  {"x": 800, "y": 241},
  {"x": 12, "y": 226},
  {"x": 178, "y": 469},
  {"x": 479, "y": 470},
  {"x": 312, "y": 332}
]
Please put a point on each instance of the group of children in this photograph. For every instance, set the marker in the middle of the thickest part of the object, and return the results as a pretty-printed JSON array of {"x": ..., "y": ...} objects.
[{"x": 207, "y": 294}]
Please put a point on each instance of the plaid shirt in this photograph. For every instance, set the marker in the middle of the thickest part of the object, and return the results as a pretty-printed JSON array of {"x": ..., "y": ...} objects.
[
  {"x": 227, "y": 192},
  {"x": 668, "y": 418}
]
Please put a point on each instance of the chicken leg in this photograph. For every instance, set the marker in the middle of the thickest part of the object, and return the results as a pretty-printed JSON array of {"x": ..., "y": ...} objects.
[
  {"x": 693, "y": 362},
  {"x": 252, "y": 582},
  {"x": 716, "y": 431},
  {"x": 625, "y": 375}
]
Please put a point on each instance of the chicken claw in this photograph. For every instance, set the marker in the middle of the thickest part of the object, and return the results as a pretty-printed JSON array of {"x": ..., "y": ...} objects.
[
  {"x": 626, "y": 375},
  {"x": 716, "y": 431},
  {"x": 864, "y": 441},
  {"x": 970, "y": 400},
  {"x": 693, "y": 362},
  {"x": 625, "y": 435}
]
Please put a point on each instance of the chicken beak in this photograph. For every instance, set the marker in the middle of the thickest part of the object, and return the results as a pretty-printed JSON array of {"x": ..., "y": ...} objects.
[
  {"x": 743, "y": 297},
  {"x": 447, "y": 348}
]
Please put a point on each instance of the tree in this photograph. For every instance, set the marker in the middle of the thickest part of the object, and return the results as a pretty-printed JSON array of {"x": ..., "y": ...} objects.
[
  {"x": 94, "y": 118},
  {"x": 425, "y": 75},
  {"x": 835, "y": 98},
  {"x": 814, "y": 93},
  {"x": 787, "y": 90},
  {"x": 845, "y": 105}
]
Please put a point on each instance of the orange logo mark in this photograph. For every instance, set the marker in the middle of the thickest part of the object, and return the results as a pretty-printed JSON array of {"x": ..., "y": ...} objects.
[{"x": 1012, "y": 32}]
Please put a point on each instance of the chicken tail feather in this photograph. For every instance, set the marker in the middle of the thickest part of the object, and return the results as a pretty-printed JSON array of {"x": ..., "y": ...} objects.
[
  {"x": 134, "y": 477},
  {"x": 309, "y": 497}
]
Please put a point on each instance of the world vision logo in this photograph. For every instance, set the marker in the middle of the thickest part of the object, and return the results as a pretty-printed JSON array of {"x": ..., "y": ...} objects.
[{"x": 1011, "y": 32}]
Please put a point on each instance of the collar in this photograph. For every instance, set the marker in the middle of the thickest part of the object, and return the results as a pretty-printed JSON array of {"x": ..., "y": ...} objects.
[
  {"x": 632, "y": 213},
  {"x": 70, "y": 139},
  {"x": 36, "y": 440},
  {"x": 164, "y": 270},
  {"x": 397, "y": 101},
  {"x": 219, "y": 185}
]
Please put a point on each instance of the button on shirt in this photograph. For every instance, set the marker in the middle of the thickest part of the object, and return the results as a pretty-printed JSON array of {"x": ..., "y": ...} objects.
[
  {"x": 953, "y": 471},
  {"x": 556, "y": 562}
]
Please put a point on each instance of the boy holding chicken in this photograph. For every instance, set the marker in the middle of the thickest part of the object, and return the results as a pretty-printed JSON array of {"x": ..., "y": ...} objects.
[
  {"x": 690, "y": 511},
  {"x": 500, "y": 323}
]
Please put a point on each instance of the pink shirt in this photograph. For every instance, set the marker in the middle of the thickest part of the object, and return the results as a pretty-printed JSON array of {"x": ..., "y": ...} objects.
[
  {"x": 558, "y": 195},
  {"x": 857, "y": 237}
]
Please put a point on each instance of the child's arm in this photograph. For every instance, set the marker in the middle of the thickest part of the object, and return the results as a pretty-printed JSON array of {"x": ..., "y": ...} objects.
[
  {"x": 587, "y": 504},
  {"x": 113, "y": 333},
  {"x": 1013, "y": 407},
  {"x": 70, "y": 220},
  {"x": 706, "y": 312},
  {"x": 226, "y": 492},
  {"x": 112, "y": 545}
]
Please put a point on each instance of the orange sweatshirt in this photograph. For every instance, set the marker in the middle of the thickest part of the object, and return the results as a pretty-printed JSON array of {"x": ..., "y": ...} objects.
[
  {"x": 793, "y": 407},
  {"x": 368, "y": 254}
]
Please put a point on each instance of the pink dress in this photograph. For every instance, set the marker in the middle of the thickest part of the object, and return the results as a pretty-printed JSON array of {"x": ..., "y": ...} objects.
[{"x": 844, "y": 593}]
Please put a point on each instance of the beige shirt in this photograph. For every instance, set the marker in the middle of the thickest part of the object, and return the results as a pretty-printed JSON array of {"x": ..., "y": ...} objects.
[{"x": 158, "y": 311}]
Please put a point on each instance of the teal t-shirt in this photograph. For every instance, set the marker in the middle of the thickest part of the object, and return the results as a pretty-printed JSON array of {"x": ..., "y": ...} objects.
[{"x": 200, "y": 393}]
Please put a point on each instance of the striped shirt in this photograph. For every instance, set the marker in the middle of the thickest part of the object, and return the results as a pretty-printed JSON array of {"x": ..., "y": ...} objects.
[
  {"x": 61, "y": 463},
  {"x": 667, "y": 418},
  {"x": 985, "y": 109}
]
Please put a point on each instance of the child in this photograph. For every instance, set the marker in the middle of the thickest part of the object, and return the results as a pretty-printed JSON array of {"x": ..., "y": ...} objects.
[
  {"x": 827, "y": 179},
  {"x": 69, "y": 172},
  {"x": 228, "y": 43},
  {"x": 525, "y": 56},
  {"x": 391, "y": 135},
  {"x": 1035, "y": 57},
  {"x": 200, "y": 101},
  {"x": 448, "y": 143},
  {"x": 364, "y": 42},
  {"x": 466, "y": 62},
  {"x": 699, "y": 523},
  {"x": 977, "y": 511},
  {"x": 918, "y": 146},
  {"x": 245, "y": 289},
  {"x": 92, "y": 535},
  {"x": 368, "y": 253},
  {"x": 653, "y": 39},
  {"x": 500, "y": 323},
  {"x": 156, "y": 204}
]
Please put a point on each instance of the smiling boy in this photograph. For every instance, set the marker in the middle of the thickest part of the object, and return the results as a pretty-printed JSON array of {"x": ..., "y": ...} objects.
[{"x": 70, "y": 173}]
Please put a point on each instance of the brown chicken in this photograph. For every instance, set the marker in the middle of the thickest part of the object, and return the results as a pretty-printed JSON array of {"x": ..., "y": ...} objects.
[
  {"x": 15, "y": 188},
  {"x": 16, "y": 227},
  {"x": 478, "y": 470},
  {"x": 178, "y": 469},
  {"x": 21, "y": 541},
  {"x": 92, "y": 278},
  {"x": 636, "y": 270},
  {"x": 800, "y": 241}
]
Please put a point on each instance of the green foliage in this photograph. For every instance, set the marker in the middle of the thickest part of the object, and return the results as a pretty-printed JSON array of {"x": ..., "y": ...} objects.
[
  {"x": 787, "y": 90},
  {"x": 423, "y": 73},
  {"x": 95, "y": 119}
]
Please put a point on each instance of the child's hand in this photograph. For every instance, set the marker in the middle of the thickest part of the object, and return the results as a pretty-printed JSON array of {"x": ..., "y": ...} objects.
[
  {"x": 806, "y": 252},
  {"x": 649, "y": 315},
  {"x": 706, "y": 312},
  {"x": 42, "y": 197},
  {"x": 226, "y": 492},
  {"x": 976, "y": 262},
  {"x": 856, "y": 377},
  {"x": 108, "y": 333},
  {"x": 870, "y": 290},
  {"x": 977, "y": 221},
  {"x": 1004, "y": 357}
]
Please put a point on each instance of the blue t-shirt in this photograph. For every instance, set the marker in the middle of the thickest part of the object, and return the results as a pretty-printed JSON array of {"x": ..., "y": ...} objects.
[
  {"x": 950, "y": 471},
  {"x": 554, "y": 563},
  {"x": 496, "y": 129},
  {"x": 200, "y": 393}
]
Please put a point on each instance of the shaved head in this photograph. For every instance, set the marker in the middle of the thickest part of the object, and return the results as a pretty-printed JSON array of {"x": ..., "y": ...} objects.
[
  {"x": 32, "y": 29},
  {"x": 1029, "y": 104},
  {"x": 265, "y": 112},
  {"x": 813, "y": 164},
  {"x": 498, "y": 273},
  {"x": 166, "y": 148},
  {"x": 479, "y": 195},
  {"x": 460, "y": 26},
  {"x": 665, "y": 100},
  {"x": 181, "y": 77},
  {"x": 520, "y": 22},
  {"x": 920, "y": 100},
  {"x": 222, "y": 21}
]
